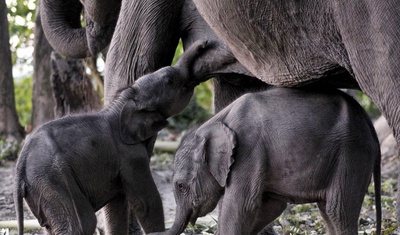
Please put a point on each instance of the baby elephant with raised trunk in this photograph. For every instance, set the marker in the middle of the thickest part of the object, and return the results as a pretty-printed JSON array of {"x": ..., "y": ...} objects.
[
  {"x": 71, "y": 167},
  {"x": 275, "y": 147}
]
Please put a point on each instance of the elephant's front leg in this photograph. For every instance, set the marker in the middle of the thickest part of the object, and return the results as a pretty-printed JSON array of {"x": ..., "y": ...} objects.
[
  {"x": 269, "y": 210},
  {"x": 116, "y": 215},
  {"x": 237, "y": 214},
  {"x": 143, "y": 195}
]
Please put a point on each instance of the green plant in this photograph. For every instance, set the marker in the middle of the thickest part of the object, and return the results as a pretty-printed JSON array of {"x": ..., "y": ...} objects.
[
  {"x": 9, "y": 148},
  {"x": 200, "y": 229},
  {"x": 23, "y": 100},
  {"x": 367, "y": 104},
  {"x": 161, "y": 160},
  {"x": 178, "y": 52},
  {"x": 204, "y": 95},
  {"x": 21, "y": 16},
  {"x": 193, "y": 114}
]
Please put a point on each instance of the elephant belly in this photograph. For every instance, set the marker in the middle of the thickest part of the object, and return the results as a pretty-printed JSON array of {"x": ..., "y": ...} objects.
[
  {"x": 283, "y": 43},
  {"x": 301, "y": 179},
  {"x": 304, "y": 188},
  {"x": 100, "y": 189}
]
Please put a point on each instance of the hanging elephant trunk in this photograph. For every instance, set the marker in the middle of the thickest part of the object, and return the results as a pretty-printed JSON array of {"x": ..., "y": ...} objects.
[{"x": 63, "y": 28}]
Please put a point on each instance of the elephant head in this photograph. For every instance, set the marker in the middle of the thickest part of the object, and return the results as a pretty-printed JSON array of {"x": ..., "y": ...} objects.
[
  {"x": 62, "y": 26},
  {"x": 157, "y": 96},
  {"x": 169, "y": 89},
  {"x": 201, "y": 169}
]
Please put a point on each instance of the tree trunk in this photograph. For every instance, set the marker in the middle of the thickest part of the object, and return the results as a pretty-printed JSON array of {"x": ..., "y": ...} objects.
[
  {"x": 11, "y": 131},
  {"x": 98, "y": 80},
  {"x": 60, "y": 86},
  {"x": 73, "y": 90},
  {"x": 42, "y": 93}
]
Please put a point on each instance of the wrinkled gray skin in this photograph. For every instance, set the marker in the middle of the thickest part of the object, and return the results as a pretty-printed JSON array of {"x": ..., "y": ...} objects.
[
  {"x": 61, "y": 20},
  {"x": 102, "y": 160},
  {"x": 147, "y": 29},
  {"x": 296, "y": 146},
  {"x": 145, "y": 40}
]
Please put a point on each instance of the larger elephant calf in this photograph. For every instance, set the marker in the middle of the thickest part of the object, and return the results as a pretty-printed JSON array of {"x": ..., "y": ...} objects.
[
  {"x": 71, "y": 167},
  {"x": 278, "y": 146}
]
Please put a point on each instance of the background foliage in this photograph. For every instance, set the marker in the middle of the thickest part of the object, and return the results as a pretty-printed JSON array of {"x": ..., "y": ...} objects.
[
  {"x": 21, "y": 18},
  {"x": 23, "y": 99}
]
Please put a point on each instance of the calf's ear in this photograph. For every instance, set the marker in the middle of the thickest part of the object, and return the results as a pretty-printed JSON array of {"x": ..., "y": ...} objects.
[
  {"x": 218, "y": 143},
  {"x": 136, "y": 126}
]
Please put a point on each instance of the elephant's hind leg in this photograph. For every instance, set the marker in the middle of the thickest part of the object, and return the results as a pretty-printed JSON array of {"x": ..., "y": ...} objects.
[
  {"x": 342, "y": 217},
  {"x": 74, "y": 217},
  {"x": 68, "y": 212},
  {"x": 343, "y": 203},
  {"x": 60, "y": 211}
]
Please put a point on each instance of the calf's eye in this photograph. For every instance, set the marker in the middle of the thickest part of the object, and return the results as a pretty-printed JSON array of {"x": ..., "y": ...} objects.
[{"x": 182, "y": 187}]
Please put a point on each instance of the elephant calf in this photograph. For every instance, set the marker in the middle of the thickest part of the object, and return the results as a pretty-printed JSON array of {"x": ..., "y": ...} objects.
[
  {"x": 275, "y": 147},
  {"x": 71, "y": 167}
]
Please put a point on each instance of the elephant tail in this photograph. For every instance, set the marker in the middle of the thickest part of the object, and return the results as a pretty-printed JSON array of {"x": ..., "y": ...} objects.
[
  {"x": 19, "y": 192},
  {"x": 377, "y": 188}
]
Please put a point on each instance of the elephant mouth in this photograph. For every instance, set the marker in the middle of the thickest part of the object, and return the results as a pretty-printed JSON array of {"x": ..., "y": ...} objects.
[
  {"x": 198, "y": 212},
  {"x": 194, "y": 216}
]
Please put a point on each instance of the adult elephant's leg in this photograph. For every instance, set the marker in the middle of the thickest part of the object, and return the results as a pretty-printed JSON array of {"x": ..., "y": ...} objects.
[
  {"x": 371, "y": 36},
  {"x": 229, "y": 87},
  {"x": 144, "y": 40}
]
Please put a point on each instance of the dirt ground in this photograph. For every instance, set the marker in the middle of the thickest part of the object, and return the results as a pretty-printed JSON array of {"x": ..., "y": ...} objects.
[{"x": 7, "y": 211}]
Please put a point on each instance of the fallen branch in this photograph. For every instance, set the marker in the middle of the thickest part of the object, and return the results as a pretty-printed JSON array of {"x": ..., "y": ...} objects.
[
  {"x": 170, "y": 146},
  {"x": 28, "y": 224}
]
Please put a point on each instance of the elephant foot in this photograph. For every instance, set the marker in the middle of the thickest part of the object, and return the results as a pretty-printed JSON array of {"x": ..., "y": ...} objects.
[
  {"x": 268, "y": 230},
  {"x": 134, "y": 227}
]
